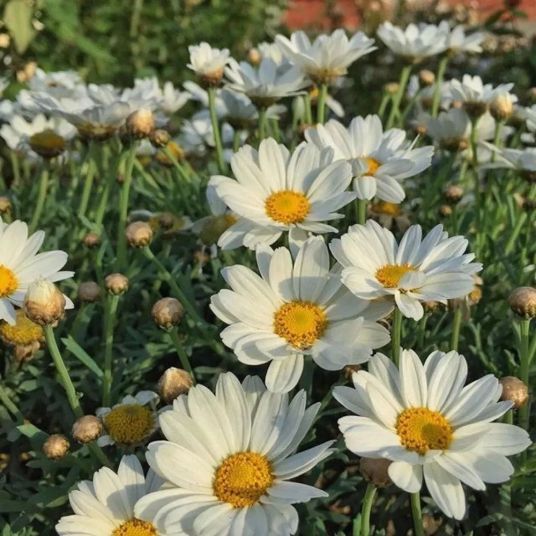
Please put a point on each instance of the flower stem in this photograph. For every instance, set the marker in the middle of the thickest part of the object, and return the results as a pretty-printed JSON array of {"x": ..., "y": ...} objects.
[
  {"x": 396, "y": 335},
  {"x": 216, "y": 129},
  {"x": 41, "y": 197},
  {"x": 438, "y": 83},
  {"x": 181, "y": 352},
  {"x": 110, "y": 312},
  {"x": 417, "y": 514},
  {"x": 362, "y": 211},
  {"x": 262, "y": 123},
  {"x": 368, "y": 501},
  {"x": 88, "y": 183},
  {"x": 397, "y": 99},
  {"x": 321, "y": 104},
  {"x": 524, "y": 369},
  {"x": 456, "y": 325},
  {"x": 478, "y": 197}
]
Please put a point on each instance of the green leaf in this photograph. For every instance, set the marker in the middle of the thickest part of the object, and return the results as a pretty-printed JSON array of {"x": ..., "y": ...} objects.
[
  {"x": 18, "y": 20},
  {"x": 82, "y": 355}
]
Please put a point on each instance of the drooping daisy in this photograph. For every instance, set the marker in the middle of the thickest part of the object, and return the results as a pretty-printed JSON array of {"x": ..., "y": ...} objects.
[
  {"x": 276, "y": 192},
  {"x": 328, "y": 56},
  {"x": 522, "y": 160},
  {"x": 379, "y": 160},
  {"x": 105, "y": 505},
  {"x": 21, "y": 265},
  {"x": 208, "y": 63},
  {"x": 229, "y": 458},
  {"x": 131, "y": 422},
  {"x": 423, "y": 419},
  {"x": 418, "y": 269},
  {"x": 297, "y": 307}
]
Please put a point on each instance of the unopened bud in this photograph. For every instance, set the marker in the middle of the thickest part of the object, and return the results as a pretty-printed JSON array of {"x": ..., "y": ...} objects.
[
  {"x": 391, "y": 88},
  {"x": 89, "y": 292},
  {"x": 523, "y": 302},
  {"x": 375, "y": 470},
  {"x": 140, "y": 124},
  {"x": 5, "y": 205},
  {"x": 139, "y": 234},
  {"x": 44, "y": 304},
  {"x": 173, "y": 383},
  {"x": 116, "y": 284},
  {"x": 166, "y": 220},
  {"x": 501, "y": 107},
  {"x": 92, "y": 240},
  {"x": 514, "y": 390},
  {"x": 445, "y": 210},
  {"x": 87, "y": 429},
  {"x": 167, "y": 313},
  {"x": 160, "y": 137},
  {"x": 55, "y": 447},
  {"x": 254, "y": 56},
  {"x": 453, "y": 193},
  {"x": 426, "y": 77}
]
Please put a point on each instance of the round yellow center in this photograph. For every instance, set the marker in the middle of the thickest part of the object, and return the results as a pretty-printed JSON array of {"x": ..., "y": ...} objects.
[
  {"x": 242, "y": 479},
  {"x": 129, "y": 424},
  {"x": 8, "y": 281},
  {"x": 24, "y": 332},
  {"x": 372, "y": 166},
  {"x": 47, "y": 143},
  {"x": 384, "y": 207},
  {"x": 300, "y": 323},
  {"x": 135, "y": 527},
  {"x": 287, "y": 206},
  {"x": 421, "y": 429},
  {"x": 391, "y": 274}
]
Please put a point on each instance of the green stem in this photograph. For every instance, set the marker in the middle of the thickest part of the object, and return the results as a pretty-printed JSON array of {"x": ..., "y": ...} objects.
[
  {"x": 181, "y": 352},
  {"x": 65, "y": 379},
  {"x": 383, "y": 104},
  {"x": 9, "y": 404},
  {"x": 262, "y": 123},
  {"x": 366, "y": 508},
  {"x": 41, "y": 197},
  {"x": 524, "y": 369},
  {"x": 478, "y": 197},
  {"x": 216, "y": 129},
  {"x": 308, "y": 109},
  {"x": 88, "y": 183},
  {"x": 438, "y": 83},
  {"x": 110, "y": 312},
  {"x": 321, "y": 104},
  {"x": 456, "y": 325},
  {"x": 417, "y": 514},
  {"x": 397, "y": 99},
  {"x": 15, "y": 167},
  {"x": 396, "y": 335},
  {"x": 362, "y": 211}
]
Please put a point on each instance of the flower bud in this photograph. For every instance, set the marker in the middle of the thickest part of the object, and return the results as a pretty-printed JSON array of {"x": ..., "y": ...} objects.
[
  {"x": 167, "y": 313},
  {"x": 44, "y": 304},
  {"x": 254, "y": 56},
  {"x": 445, "y": 211},
  {"x": 160, "y": 137},
  {"x": 140, "y": 124},
  {"x": 523, "y": 302},
  {"x": 92, "y": 240},
  {"x": 5, "y": 205},
  {"x": 55, "y": 447},
  {"x": 89, "y": 292},
  {"x": 375, "y": 470},
  {"x": 514, "y": 390},
  {"x": 453, "y": 193},
  {"x": 426, "y": 77},
  {"x": 87, "y": 429},
  {"x": 166, "y": 220},
  {"x": 116, "y": 284},
  {"x": 391, "y": 88},
  {"x": 173, "y": 383},
  {"x": 501, "y": 107},
  {"x": 139, "y": 234}
]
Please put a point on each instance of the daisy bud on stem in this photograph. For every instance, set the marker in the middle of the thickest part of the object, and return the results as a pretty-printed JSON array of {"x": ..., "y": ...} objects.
[
  {"x": 44, "y": 304},
  {"x": 167, "y": 313},
  {"x": 55, "y": 447},
  {"x": 89, "y": 292},
  {"x": 92, "y": 240},
  {"x": 87, "y": 429},
  {"x": 139, "y": 234},
  {"x": 173, "y": 383},
  {"x": 514, "y": 390},
  {"x": 140, "y": 124}
]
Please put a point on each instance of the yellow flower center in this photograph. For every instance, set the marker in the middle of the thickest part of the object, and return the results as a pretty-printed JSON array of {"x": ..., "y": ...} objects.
[
  {"x": 24, "y": 332},
  {"x": 372, "y": 166},
  {"x": 129, "y": 424},
  {"x": 287, "y": 206},
  {"x": 390, "y": 275},
  {"x": 242, "y": 479},
  {"x": 421, "y": 429},
  {"x": 300, "y": 323},
  {"x": 47, "y": 143},
  {"x": 135, "y": 527},
  {"x": 384, "y": 207},
  {"x": 8, "y": 281}
]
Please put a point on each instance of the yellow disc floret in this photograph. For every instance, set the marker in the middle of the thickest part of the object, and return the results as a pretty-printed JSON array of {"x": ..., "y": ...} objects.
[
  {"x": 372, "y": 166},
  {"x": 390, "y": 275},
  {"x": 242, "y": 479},
  {"x": 8, "y": 281},
  {"x": 135, "y": 527},
  {"x": 287, "y": 207},
  {"x": 300, "y": 323},
  {"x": 421, "y": 430},
  {"x": 129, "y": 424},
  {"x": 384, "y": 207},
  {"x": 23, "y": 333}
]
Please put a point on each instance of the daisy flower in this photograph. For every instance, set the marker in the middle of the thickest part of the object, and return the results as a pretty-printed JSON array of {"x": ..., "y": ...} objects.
[
  {"x": 423, "y": 419},
  {"x": 379, "y": 160},
  {"x": 105, "y": 505},
  {"x": 21, "y": 265},
  {"x": 276, "y": 192},
  {"x": 328, "y": 56},
  {"x": 208, "y": 63},
  {"x": 297, "y": 307},
  {"x": 458, "y": 41},
  {"x": 131, "y": 422},
  {"x": 522, "y": 160},
  {"x": 431, "y": 269},
  {"x": 229, "y": 458}
]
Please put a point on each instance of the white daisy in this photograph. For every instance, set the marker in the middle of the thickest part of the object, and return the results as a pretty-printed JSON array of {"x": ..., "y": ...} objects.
[
  {"x": 415, "y": 42},
  {"x": 297, "y": 307},
  {"x": 131, "y": 422},
  {"x": 423, "y": 419},
  {"x": 207, "y": 62},
  {"x": 379, "y": 160},
  {"x": 458, "y": 41},
  {"x": 105, "y": 505},
  {"x": 21, "y": 265},
  {"x": 229, "y": 458},
  {"x": 328, "y": 56},
  {"x": 434, "y": 268},
  {"x": 276, "y": 192},
  {"x": 523, "y": 160}
]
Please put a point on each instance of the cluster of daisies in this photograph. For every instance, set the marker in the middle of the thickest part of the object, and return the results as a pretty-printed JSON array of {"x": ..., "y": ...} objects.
[{"x": 228, "y": 459}]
